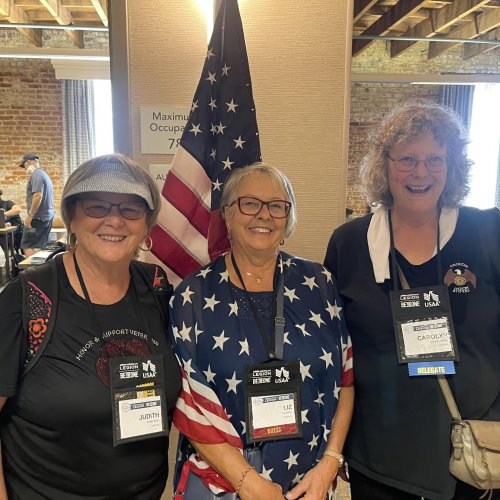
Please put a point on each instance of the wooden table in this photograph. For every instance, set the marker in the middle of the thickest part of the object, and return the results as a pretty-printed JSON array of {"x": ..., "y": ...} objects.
[{"x": 4, "y": 233}]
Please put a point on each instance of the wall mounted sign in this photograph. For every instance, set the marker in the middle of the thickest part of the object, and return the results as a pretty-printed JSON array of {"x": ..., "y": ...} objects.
[
  {"x": 158, "y": 172},
  {"x": 161, "y": 128}
]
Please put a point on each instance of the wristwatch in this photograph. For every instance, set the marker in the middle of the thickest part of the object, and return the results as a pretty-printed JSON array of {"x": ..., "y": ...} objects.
[{"x": 332, "y": 453}]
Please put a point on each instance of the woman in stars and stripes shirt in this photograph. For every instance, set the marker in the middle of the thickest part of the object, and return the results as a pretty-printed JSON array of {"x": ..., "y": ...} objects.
[{"x": 223, "y": 331}]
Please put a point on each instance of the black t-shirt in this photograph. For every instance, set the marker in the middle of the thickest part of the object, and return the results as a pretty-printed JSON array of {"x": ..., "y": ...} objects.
[
  {"x": 57, "y": 429},
  {"x": 400, "y": 432}
]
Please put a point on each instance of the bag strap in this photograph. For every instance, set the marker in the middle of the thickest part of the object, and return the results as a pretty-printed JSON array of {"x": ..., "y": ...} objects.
[
  {"x": 443, "y": 383},
  {"x": 448, "y": 396},
  {"x": 157, "y": 282},
  {"x": 40, "y": 300}
]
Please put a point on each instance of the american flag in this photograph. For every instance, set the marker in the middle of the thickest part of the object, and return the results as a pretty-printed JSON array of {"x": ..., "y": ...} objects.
[{"x": 220, "y": 135}]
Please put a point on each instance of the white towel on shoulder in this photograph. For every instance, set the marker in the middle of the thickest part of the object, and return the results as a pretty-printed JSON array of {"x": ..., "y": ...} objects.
[{"x": 379, "y": 239}]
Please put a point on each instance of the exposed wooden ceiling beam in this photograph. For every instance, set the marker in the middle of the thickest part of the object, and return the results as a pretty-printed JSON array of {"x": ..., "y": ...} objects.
[
  {"x": 13, "y": 14},
  {"x": 361, "y": 7},
  {"x": 63, "y": 17},
  {"x": 483, "y": 23},
  {"x": 474, "y": 49},
  {"x": 391, "y": 18},
  {"x": 101, "y": 9},
  {"x": 437, "y": 21}
]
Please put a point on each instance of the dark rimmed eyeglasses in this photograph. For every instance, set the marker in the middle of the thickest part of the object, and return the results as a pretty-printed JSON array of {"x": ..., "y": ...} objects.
[
  {"x": 130, "y": 210},
  {"x": 408, "y": 163},
  {"x": 278, "y": 209}
]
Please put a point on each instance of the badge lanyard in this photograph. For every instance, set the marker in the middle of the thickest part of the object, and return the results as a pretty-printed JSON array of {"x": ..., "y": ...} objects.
[
  {"x": 272, "y": 389},
  {"x": 395, "y": 264},
  {"x": 137, "y": 392},
  {"x": 274, "y": 346},
  {"x": 90, "y": 304},
  {"x": 423, "y": 323}
]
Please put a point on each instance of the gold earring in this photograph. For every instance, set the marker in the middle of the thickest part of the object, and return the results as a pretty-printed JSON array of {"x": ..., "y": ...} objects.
[{"x": 72, "y": 241}]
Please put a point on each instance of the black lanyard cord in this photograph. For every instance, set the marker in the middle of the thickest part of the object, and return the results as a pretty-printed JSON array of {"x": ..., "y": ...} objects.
[
  {"x": 274, "y": 344},
  {"x": 395, "y": 265},
  {"x": 90, "y": 305}
]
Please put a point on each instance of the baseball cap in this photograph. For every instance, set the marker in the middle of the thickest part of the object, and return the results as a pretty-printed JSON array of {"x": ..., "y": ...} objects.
[{"x": 29, "y": 156}]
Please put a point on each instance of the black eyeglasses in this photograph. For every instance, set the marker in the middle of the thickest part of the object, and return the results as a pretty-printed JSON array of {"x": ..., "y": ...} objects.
[
  {"x": 278, "y": 209},
  {"x": 408, "y": 163},
  {"x": 130, "y": 210}
]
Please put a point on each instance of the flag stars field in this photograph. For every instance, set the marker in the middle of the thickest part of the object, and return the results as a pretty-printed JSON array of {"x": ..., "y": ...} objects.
[
  {"x": 239, "y": 142},
  {"x": 196, "y": 129},
  {"x": 231, "y": 106},
  {"x": 211, "y": 78},
  {"x": 227, "y": 164},
  {"x": 220, "y": 128}
]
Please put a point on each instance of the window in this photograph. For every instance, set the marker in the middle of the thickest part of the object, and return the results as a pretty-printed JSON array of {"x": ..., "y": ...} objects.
[
  {"x": 103, "y": 117},
  {"x": 484, "y": 145}
]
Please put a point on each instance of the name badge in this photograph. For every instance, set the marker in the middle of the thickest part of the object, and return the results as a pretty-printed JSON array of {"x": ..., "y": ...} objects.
[
  {"x": 272, "y": 393},
  {"x": 423, "y": 324},
  {"x": 138, "y": 398}
]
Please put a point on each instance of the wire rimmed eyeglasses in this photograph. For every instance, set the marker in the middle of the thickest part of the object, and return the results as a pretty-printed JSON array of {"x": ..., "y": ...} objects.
[
  {"x": 248, "y": 205},
  {"x": 130, "y": 210},
  {"x": 408, "y": 163}
]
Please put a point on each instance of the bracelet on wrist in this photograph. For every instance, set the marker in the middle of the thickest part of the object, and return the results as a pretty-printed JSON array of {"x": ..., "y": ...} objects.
[
  {"x": 334, "y": 454},
  {"x": 246, "y": 471}
]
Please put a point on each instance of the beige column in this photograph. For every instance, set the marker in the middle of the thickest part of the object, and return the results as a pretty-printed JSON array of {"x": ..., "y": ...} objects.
[{"x": 299, "y": 55}]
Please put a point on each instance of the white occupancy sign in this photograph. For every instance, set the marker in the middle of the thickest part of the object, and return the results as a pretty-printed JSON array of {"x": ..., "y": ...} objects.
[{"x": 161, "y": 128}]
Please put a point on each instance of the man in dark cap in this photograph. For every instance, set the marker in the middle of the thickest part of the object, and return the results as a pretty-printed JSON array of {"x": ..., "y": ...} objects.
[{"x": 39, "y": 203}]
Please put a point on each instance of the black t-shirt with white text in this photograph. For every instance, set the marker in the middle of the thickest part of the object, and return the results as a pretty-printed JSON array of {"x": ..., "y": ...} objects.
[{"x": 57, "y": 439}]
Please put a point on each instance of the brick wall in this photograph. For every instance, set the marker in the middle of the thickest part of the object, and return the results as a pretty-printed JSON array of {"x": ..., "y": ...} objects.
[
  {"x": 30, "y": 120},
  {"x": 31, "y": 112}
]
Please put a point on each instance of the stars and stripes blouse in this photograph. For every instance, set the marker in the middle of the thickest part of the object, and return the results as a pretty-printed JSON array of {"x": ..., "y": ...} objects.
[{"x": 215, "y": 336}]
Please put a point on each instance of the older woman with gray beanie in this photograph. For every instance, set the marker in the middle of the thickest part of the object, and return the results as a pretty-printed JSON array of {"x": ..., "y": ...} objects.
[{"x": 88, "y": 384}]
